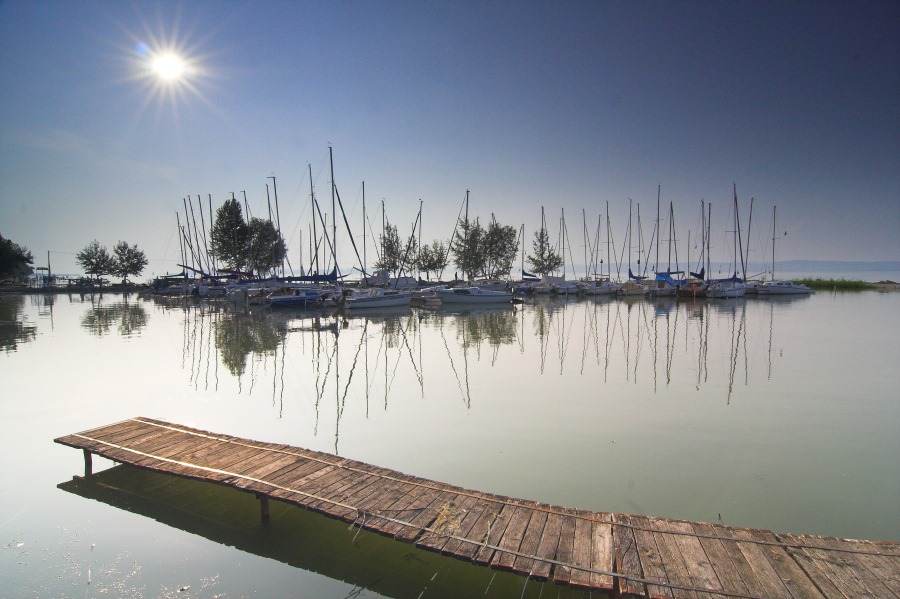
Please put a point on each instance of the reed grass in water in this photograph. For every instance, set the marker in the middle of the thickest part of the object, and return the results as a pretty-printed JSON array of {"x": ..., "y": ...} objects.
[{"x": 820, "y": 284}]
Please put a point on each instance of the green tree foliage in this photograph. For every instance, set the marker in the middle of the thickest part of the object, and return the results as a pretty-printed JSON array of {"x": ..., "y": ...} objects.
[
  {"x": 266, "y": 248},
  {"x": 466, "y": 248},
  {"x": 15, "y": 260},
  {"x": 432, "y": 258},
  {"x": 545, "y": 258},
  {"x": 396, "y": 255},
  {"x": 484, "y": 252},
  {"x": 96, "y": 260},
  {"x": 231, "y": 236},
  {"x": 129, "y": 260},
  {"x": 499, "y": 249}
]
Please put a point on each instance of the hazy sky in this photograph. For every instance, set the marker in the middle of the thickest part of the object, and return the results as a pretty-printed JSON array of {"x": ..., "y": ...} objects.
[{"x": 565, "y": 105}]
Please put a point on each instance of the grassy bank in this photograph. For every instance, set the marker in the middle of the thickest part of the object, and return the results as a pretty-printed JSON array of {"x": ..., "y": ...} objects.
[{"x": 837, "y": 284}]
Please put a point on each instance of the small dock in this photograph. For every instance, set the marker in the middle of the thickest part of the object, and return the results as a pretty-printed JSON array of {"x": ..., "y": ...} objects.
[{"x": 621, "y": 554}]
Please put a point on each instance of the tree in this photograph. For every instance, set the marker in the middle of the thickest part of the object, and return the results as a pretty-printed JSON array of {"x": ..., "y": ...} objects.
[
  {"x": 499, "y": 249},
  {"x": 545, "y": 258},
  {"x": 391, "y": 250},
  {"x": 466, "y": 248},
  {"x": 432, "y": 258},
  {"x": 129, "y": 260},
  {"x": 15, "y": 260},
  {"x": 231, "y": 236},
  {"x": 266, "y": 248},
  {"x": 95, "y": 260}
]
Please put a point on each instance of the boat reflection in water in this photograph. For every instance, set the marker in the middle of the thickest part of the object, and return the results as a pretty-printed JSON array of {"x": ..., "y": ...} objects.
[{"x": 389, "y": 352}]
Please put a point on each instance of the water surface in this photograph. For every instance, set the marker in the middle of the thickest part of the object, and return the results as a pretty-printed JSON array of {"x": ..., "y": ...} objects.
[{"x": 778, "y": 414}]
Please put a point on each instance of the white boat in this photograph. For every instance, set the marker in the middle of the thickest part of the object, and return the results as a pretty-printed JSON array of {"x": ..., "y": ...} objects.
[
  {"x": 472, "y": 295},
  {"x": 597, "y": 287},
  {"x": 782, "y": 288},
  {"x": 726, "y": 289},
  {"x": 566, "y": 288},
  {"x": 779, "y": 287},
  {"x": 377, "y": 297},
  {"x": 631, "y": 288}
]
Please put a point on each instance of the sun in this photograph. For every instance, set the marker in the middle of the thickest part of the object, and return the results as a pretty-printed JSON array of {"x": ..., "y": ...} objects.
[{"x": 169, "y": 67}]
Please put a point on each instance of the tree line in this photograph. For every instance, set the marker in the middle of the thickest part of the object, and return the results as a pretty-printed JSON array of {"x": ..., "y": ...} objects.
[
  {"x": 477, "y": 251},
  {"x": 125, "y": 260}
]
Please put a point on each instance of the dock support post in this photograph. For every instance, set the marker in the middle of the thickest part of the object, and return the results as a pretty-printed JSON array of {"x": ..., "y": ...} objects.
[
  {"x": 88, "y": 469},
  {"x": 263, "y": 507}
]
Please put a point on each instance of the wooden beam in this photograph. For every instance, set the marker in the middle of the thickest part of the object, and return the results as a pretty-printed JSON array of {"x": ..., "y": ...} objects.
[{"x": 88, "y": 467}]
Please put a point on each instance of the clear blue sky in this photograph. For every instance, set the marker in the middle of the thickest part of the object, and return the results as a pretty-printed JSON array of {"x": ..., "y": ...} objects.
[{"x": 566, "y": 105}]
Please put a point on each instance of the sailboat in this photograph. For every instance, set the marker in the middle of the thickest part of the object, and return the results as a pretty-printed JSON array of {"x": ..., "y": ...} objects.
[
  {"x": 775, "y": 287},
  {"x": 633, "y": 286},
  {"x": 732, "y": 287}
]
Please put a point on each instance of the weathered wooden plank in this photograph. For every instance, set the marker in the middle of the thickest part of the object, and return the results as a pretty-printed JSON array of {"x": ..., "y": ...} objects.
[
  {"x": 701, "y": 571},
  {"x": 580, "y": 577},
  {"x": 628, "y": 561},
  {"x": 885, "y": 566},
  {"x": 789, "y": 572},
  {"x": 566, "y": 548},
  {"x": 293, "y": 475},
  {"x": 676, "y": 569},
  {"x": 848, "y": 575},
  {"x": 767, "y": 576},
  {"x": 118, "y": 431},
  {"x": 547, "y": 546},
  {"x": 530, "y": 542},
  {"x": 601, "y": 551},
  {"x": 160, "y": 441},
  {"x": 478, "y": 534},
  {"x": 136, "y": 440},
  {"x": 447, "y": 525},
  {"x": 118, "y": 434},
  {"x": 404, "y": 508},
  {"x": 730, "y": 573},
  {"x": 512, "y": 538},
  {"x": 869, "y": 582},
  {"x": 651, "y": 557},
  {"x": 495, "y": 532},
  {"x": 476, "y": 508},
  {"x": 424, "y": 518}
]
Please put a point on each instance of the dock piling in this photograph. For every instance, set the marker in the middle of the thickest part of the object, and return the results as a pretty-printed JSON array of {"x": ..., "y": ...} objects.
[
  {"x": 88, "y": 467},
  {"x": 263, "y": 507}
]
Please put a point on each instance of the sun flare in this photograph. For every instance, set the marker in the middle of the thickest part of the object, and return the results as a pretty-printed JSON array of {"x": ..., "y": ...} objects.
[{"x": 169, "y": 67}]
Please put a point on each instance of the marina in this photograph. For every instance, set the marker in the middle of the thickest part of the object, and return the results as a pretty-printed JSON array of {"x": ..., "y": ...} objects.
[{"x": 625, "y": 554}]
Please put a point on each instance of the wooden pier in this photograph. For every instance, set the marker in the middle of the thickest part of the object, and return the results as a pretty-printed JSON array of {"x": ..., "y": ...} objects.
[{"x": 615, "y": 553}]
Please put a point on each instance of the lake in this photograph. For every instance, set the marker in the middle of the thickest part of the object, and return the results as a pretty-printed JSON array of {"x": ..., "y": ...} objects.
[{"x": 777, "y": 414}]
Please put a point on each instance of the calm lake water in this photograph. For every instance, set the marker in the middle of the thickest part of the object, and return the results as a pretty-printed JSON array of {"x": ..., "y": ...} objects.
[{"x": 778, "y": 414}]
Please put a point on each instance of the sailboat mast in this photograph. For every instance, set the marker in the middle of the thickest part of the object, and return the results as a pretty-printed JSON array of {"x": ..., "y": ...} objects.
[
  {"x": 749, "y": 228},
  {"x": 774, "y": 208},
  {"x": 658, "y": 193},
  {"x": 278, "y": 219},
  {"x": 708, "y": 241},
  {"x": 629, "y": 238},
  {"x": 364, "y": 227},
  {"x": 315, "y": 236},
  {"x": 608, "y": 257},
  {"x": 333, "y": 213},
  {"x": 739, "y": 250}
]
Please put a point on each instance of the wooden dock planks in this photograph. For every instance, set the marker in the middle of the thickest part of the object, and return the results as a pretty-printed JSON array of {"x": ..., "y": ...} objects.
[{"x": 621, "y": 553}]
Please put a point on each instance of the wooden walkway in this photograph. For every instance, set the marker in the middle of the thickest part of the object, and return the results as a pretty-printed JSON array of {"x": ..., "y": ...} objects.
[{"x": 618, "y": 553}]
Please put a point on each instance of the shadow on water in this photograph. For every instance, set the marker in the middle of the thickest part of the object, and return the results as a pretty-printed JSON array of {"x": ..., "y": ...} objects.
[{"x": 302, "y": 539}]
